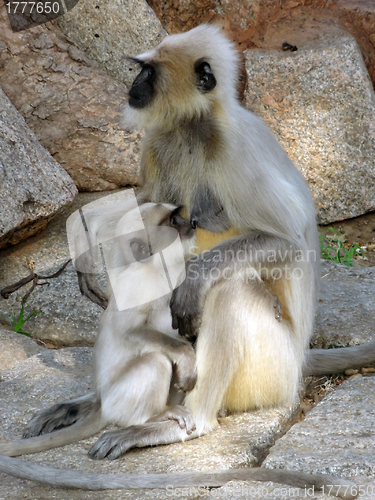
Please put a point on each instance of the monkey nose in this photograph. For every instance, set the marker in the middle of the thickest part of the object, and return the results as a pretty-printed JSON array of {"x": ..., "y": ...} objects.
[{"x": 194, "y": 222}]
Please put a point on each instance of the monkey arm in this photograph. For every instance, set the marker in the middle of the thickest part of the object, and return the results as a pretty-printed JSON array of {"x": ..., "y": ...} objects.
[
  {"x": 179, "y": 351},
  {"x": 259, "y": 255},
  {"x": 87, "y": 282},
  {"x": 89, "y": 287}
]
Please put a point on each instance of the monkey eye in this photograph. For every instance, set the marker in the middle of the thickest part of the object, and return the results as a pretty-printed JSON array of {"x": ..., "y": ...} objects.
[
  {"x": 206, "y": 79},
  {"x": 140, "y": 249}
]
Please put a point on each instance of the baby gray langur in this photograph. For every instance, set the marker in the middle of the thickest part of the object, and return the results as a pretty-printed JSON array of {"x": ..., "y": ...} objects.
[{"x": 142, "y": 365}]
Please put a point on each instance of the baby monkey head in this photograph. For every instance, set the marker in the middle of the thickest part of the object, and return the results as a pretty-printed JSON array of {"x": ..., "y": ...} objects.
[
  {"x": 149, "y": 250},
  {"x": 164, "y": 230}
]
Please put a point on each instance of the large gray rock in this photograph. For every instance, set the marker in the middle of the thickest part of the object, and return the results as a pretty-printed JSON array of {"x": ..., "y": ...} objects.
[
  {"x": 39, "y": 381},
  {"x": 33, "y": 186},
  {"x": 74, "y": 108},
  {"x": 336, "y": 437},
  {"x": 48, "y": 249},
  {"x": 67, "y": 317},
  {"x": 51, "y": 376},
  {"x": 18, "y": 348},
  {"x": 110, "y": 30},
  {"x": 346, "y": 307},
  {"x": 320, "y": 103}
]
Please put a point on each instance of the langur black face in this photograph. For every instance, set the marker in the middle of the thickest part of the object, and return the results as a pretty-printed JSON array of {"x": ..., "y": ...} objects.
[
  {"x": 182, "y": 225},
  {"x": 144, "y": 86}
]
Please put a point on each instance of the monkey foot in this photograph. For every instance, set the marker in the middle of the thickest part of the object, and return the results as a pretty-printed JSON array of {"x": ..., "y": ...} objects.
[
  {"x": 159, "y": 430},
  {"x": 113, "y": 444},
  {"x": 60, "y": 415},
  {"x": 185, "y": 381}
]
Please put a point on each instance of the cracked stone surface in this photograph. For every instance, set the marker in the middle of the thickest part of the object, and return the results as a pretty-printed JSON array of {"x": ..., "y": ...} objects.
[
  {"x": 346, "y": 307},
  {"x": 336, "y": 437}
]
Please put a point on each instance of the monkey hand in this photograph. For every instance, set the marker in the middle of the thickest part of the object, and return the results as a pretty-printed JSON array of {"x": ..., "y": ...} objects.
[
  {"x": 180, "y": 414},
  {"x": 185, "y": 370},
  {"x": 185, "y": 306}
]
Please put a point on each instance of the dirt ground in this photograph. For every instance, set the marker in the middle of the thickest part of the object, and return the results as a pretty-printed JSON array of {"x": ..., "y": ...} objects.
[{"x": 359, "y": 230}]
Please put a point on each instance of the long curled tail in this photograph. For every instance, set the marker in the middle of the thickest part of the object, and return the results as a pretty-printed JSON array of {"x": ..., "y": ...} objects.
[
  {"x": 327, "y": 361},
  {"x": 76, "y": 479}
]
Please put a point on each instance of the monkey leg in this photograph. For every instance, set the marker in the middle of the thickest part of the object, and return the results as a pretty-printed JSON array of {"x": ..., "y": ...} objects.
[
  {"x": 139, "y": 391},
  {"x": 245, "y": 357},
  {"x": 139, "y": 396},
  {"x": 60, "y": 415}
]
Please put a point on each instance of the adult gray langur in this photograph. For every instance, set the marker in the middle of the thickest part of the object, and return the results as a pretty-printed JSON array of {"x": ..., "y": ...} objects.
[{"x": 250, "y": 292}]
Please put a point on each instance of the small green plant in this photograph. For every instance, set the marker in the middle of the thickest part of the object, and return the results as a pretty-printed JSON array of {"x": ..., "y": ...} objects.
[
  {"x": 336, "y": 251},
  {"x": 17, "y": 324},
  {"x": 336, "y": 345}
]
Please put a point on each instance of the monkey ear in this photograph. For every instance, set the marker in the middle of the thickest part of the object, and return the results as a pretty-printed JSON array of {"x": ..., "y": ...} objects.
[{"x": 206, "y": 79}]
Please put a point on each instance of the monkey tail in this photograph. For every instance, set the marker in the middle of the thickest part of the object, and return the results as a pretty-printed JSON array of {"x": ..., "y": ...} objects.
[
  {"x": 75, "y": 479},
  {"x": 327, "y": 361},
  {"x": 89, "y": 425}
]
